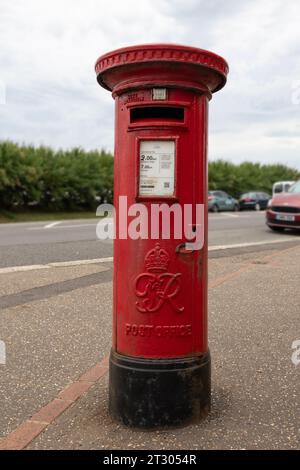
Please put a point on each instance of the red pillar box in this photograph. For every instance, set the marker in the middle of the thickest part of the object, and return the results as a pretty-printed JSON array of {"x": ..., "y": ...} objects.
[{"x": 160, "y": 362}]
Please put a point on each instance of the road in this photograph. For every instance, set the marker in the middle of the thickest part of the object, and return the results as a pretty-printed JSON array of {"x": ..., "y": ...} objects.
[{"x": 45, "y": 242}]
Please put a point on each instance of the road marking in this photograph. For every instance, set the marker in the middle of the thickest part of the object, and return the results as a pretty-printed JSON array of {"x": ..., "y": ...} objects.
[
  {"x": 60, "y": 264},
  {"x": 236, "y": 215},
  {"x": 230, "y": 215},
  {"x": 57, "y": 225},
  {"x": 16, "y": 269},
  {"x": 53, "y": 224},
  {"x": 221, "y": 219},
  {"x": 92, "y": 224},
  {"x": 246, "y": 245},
  {"x": 109, "y": 259}
]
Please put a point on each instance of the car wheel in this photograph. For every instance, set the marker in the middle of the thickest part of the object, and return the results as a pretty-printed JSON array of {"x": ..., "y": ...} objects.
[
  {"x": 276, "y": 229},
  {"x": 257, "y": 207},
  {"x": 215, "y": 208}
]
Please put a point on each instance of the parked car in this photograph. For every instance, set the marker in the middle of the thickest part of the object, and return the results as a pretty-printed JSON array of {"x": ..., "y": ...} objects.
[
  {"x": 282, "y": 187},
  {"x": 254, "y": 200},
  {"x": 284, "y": 210},
  {"x": 221, "y": 201}
]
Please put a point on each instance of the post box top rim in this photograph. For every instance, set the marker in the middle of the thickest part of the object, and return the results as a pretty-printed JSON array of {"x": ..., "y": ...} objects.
[{"x": 163, "y": 53}]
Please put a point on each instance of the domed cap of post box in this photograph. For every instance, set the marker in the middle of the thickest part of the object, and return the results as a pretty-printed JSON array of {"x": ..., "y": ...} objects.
[{"x": 168, "y": 65}]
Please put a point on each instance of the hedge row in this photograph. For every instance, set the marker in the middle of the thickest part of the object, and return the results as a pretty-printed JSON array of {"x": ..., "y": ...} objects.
[
  {"x": 237, "y": 179},
  {"x": 53, "y": 180},
  {"x": 79, "y": 180}
]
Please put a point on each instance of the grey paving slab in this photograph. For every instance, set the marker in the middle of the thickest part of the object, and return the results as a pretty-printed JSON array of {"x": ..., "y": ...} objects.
[
  {"x": 54, "y": 289},
  {"x": 50, "y": 343},
  {"x": 256, "y": 401},
  {"x": 220, "y": 266},
  {"x": 11, "y": 283}
]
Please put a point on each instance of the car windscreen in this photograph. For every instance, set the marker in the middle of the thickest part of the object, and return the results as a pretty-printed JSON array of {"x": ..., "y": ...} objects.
[
  {"x": 278, "y": 188},
  {"x": 287, "y": 186},
  {"x": 295, "y": 188},
  {"x": 248, "y": 195}
]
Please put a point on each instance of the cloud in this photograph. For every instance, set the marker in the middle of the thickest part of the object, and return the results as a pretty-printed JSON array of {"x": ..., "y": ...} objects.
[{"x": 48, "y": 50}]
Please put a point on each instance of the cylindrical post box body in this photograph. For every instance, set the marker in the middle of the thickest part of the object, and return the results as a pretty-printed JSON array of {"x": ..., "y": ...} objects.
[{"x": 160, "y": 363}]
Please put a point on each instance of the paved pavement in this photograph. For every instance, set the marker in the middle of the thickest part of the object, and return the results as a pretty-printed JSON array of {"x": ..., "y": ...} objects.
[
  {"x": 56, "y": 324},
  {"x": 45, "y": 242}
]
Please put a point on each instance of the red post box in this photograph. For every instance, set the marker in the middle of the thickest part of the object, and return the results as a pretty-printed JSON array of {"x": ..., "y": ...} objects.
[{"x": 160, "y": 362}]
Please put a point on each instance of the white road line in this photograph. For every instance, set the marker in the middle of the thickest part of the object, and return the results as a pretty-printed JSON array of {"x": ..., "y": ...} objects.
[
  {"x": 53, "y": 224},
  {"x": 226, "y": 214},
  {"x": 245, "y": 245},
  {"x": 221, "y": 219},
  {"x": 17, "y": 269},
  {"x": 94, "y": 223},
  {"x": 238, "y": 215},
  {"x": 63, "y": 226},
  {"x": 80, "y": 262},
  {"x": 60, "y": 264},
  {"x": 78, "y": 225},
  {"x": 65, "y": 264}
]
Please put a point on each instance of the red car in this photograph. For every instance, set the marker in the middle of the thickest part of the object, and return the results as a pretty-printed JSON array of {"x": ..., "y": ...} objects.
[{"x": 283, "y": 210}]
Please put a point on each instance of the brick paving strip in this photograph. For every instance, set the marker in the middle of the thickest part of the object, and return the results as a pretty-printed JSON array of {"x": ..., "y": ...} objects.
[{"x": 30, "y": 429}]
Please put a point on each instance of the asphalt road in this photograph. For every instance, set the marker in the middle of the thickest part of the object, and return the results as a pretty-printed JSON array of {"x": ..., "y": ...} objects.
[{"x": 45, "y": 242}]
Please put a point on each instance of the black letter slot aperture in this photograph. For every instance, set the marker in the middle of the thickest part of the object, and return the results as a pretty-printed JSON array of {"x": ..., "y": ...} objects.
[{"x": 157, "y": 113}]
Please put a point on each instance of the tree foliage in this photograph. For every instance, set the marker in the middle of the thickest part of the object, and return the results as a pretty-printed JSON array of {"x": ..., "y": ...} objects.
[
  {"x": 247, "y": 176},
  {"x": 54, "y": 180},
  {"x": 66, "y": 180}
]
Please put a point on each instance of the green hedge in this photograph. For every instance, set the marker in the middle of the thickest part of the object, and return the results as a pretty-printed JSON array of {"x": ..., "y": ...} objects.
[
  {"x": 53, "y": 180},
  {"x": 41, "y": 178},
  {"x": 247, "y": 176}
]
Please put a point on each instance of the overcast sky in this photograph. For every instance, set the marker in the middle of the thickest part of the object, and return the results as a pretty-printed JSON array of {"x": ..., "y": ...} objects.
[{"x": 49, "y": 94}]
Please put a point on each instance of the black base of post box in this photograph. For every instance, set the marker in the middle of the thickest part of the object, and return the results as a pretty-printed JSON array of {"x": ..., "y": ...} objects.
[{"x": 151, "y": 393}]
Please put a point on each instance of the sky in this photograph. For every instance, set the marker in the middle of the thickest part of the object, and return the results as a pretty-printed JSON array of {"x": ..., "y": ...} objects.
[{"x": 48, "y": 89}]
